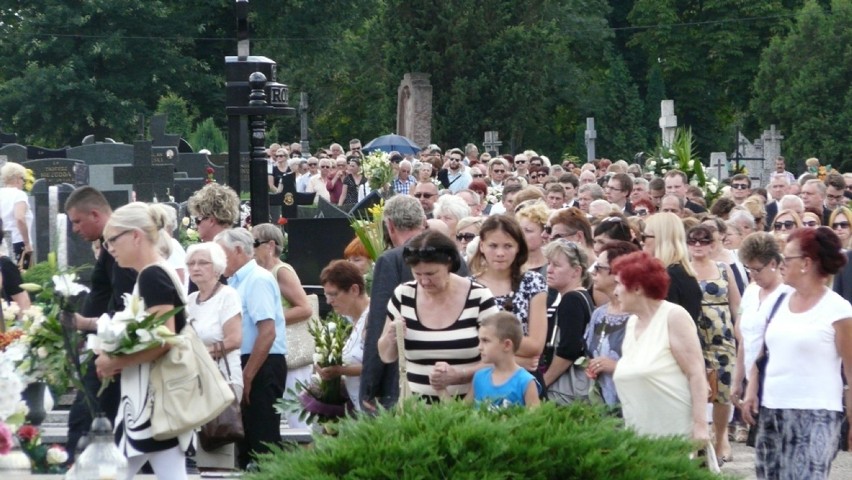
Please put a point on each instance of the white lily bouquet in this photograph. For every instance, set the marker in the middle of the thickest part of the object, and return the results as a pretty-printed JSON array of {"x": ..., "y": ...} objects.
[
  {"x": 378, "y": 169},
  {"x": 132, "y": 330}
]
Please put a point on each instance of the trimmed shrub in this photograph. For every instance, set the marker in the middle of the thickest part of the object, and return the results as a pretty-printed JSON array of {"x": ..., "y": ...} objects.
[{"x": 453, "y": 440}]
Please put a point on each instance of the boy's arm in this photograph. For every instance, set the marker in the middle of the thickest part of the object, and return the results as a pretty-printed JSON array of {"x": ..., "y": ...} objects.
[
  {"x": 531, "y": 399},
  {"x": 468, "y": 399}
]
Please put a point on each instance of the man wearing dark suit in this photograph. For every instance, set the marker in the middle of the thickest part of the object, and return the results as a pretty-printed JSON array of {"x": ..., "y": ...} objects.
[
  {"x": 404, "y": 219},
  {"x": 89, "y": 212}
]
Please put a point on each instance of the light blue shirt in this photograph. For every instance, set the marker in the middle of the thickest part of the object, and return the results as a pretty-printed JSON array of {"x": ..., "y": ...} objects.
[{"x": 261, "y": 300}]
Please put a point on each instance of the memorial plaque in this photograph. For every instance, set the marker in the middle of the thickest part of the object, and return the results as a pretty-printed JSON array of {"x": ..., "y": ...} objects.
[
  {"x": 59, "y": 170},
  {"x": 164, "y": 156}
]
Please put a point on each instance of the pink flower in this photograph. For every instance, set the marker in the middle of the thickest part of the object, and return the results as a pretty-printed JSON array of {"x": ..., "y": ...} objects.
[{"x": 5, "y": 439}]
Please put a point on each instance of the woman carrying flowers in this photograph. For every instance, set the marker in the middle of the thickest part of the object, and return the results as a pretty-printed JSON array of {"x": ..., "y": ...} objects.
[{"x": 133, "y": 237}]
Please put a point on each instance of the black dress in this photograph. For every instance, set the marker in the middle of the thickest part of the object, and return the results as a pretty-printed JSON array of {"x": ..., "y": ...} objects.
[{"x": 684, "y": 290}]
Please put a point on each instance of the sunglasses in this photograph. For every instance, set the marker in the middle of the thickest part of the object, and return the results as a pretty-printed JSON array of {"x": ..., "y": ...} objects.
[
  {"x": 699, "y": 241},
  {"x": 453, "y": 159},
  {"x": 426, "y": 254},
  {"x": 324, "y": 167},
  {"x": 597, "y": 268},
  {"x": 843, "y": 225},
  {"x": 198, "y": 220},
  {"x": 311, "y": 164},
  {"x": 279, "y": 156},
  {"x": 465, "y": 237},
  {"x": 785, "y": 225},
  {"x": 520, "y": 162},
  {"x": 739, "y": 186},
  {"x": 499, "y": 171},
  {"x": 424, "y": 195},
  {"x": 477, "y": 175},
  {"x": 642, "y": 213},
  {"x": 258, "y": 243}
]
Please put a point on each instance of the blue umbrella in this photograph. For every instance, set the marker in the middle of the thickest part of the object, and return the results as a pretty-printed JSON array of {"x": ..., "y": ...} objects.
[{"x": 392, "y": 143}]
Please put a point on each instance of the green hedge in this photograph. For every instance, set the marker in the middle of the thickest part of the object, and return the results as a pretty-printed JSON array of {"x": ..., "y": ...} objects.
[{"x": 457, "y": 442}]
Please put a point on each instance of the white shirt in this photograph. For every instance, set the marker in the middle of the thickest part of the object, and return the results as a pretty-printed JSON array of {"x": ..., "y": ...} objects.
[
  {"x": 353, "y": 354},
  {"x": 208, "y": 319},
  {"x": 753, "y": 315},
  {"x": 803, "y": 371},
  {"x": 9, "y": 198},
  {"x": 317, "y": 184},
  {"x": 177, "y": 259}
]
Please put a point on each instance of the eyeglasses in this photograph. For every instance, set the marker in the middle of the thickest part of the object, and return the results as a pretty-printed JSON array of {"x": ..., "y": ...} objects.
[
  {"x": 755, "y": 271},
  {"x": 598, "y": 268},
  {"x": 279, "y": 156},
  {"x": 454, "y": 159},
  {"x": 642, "y": 212},
  {"x": 499, "y": 171},
  {"x": 699, "y": 241},
  {"x": 465, "y": 237},
  {"x": 111, "y": 240},
  {"x": 477, "y": 175},
  {"x": 424, "y": 195},
  {"x": 427, "y": 254},
  {"x": 198, "y": 263},
  {"x": 785, "y": 225},
  {"x": 812, "y": 223},
  {"x": 325, "y": 166},
  {"x": 739, "y": 186},
  {"x": 312, "y": 164},
  {"x": 610, "y": 187},
  {"x": 645, "y": 236},
  {"x": 198, "y": 220},
  {"x": 785, "y": 258},
  {"x": 841, "y": 225}
]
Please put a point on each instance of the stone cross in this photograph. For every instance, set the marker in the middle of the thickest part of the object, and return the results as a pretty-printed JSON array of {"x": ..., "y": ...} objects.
[
  {"x": 668, "y": 122},
  {"x": 771, "y": 150},
  {"x": 590, "y": 137},
  {"x": 492, "y": 142},
  {"x": 303, "y": 121},
  {"x": 719, "y": 165},
  {"x": 148, "y": 180}
]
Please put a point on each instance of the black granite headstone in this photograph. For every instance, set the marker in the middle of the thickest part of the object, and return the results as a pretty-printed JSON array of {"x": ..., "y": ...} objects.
[
  {"x": 148, "y": 180},
  {"x": 59, "y": 170},
  {"x": 314, "y": 242},
  {"x": 36, "y": 153}
]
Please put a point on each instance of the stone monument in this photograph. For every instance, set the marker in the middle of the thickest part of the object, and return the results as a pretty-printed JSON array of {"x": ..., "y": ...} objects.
[
  {"x": 414, "y": 108},
  {"x": 668, "y": 122}
]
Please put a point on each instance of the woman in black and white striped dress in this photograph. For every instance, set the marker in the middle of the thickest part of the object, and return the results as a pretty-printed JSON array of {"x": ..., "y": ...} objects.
[{"x": 441, "y": 311}]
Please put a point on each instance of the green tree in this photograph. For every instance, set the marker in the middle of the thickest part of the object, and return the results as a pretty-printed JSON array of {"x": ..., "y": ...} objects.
[
  {"x": 75, "y": 68},
  {"x": 180, "y": 118},
  {"x": 705, "y": 49},
  {"x": 207, "y": 135},
  {"x": 654, "y": 94},
  {"x": 620, "y": 121},
  {"x": 803, "y": 85}
]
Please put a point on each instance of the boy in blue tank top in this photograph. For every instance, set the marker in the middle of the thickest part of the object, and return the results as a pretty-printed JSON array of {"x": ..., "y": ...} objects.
[{"x": 503, "y": 383}]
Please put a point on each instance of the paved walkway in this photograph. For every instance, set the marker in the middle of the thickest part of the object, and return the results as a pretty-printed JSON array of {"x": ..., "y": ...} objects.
[{"x": 743, "y": 464}]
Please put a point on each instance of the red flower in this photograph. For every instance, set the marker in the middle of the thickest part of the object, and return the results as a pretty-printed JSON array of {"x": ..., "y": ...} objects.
[
  {"x": 28, "y": 433},
  {"x": 5, "y": 439},
  {"x": 210, "y": 171},
  {"x": 282, "y": 221}
]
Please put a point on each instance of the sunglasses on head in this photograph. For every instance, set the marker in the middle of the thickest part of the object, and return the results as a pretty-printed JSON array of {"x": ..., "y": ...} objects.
[
  {"x": 426, "y": 254},
  {"x": 465, "y": 237}
]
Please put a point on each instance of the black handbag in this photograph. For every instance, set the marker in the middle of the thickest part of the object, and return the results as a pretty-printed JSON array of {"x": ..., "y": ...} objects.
[
  {"x": 228, "y": 426},
  {"x": 761, "y": 363}
]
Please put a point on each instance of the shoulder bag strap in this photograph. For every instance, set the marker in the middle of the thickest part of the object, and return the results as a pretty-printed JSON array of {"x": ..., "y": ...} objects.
[{"x": 769, "y": 318}]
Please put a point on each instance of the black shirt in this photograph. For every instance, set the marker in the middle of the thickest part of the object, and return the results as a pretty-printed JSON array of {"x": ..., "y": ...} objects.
[
  {"x": 11, "y": 278},
  {"x": 156, "y": 287},
  {"x": 109, "y": 283},
  {"x": 684, "y": 290}
]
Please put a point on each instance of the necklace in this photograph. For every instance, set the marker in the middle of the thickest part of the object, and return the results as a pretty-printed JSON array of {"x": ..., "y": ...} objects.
[{"x": 198, "y": 299}]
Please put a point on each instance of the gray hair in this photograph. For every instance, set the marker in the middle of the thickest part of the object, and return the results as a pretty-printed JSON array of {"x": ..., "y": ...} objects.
[
  {"x": 680, "y": 200},
  {"x": 740, "y": 214},
  {"x": 266, "y": 232},
  {"x": 217, "y": 255},
  {"x": 594, "y": 189},
  {"x": 791, "y": 202},
  {"x": 404, "y": 212},
  {"x": 473, "y": 195},
  {"x": 452, "y": 205},
  {"x": 236, "y": 237},
  {"x": 11, "y": 171},
  {"x": 640, "y": 181},
  {"x": 575, "y": 254}
]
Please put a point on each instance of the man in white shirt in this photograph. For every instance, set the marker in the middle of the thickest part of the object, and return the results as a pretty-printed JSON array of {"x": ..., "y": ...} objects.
[
  {"x": 317, "y": 182},
  {"x": 454, "y": 177}
]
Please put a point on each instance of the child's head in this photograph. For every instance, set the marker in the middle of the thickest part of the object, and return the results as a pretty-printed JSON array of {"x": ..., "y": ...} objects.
[{"x": 504, "y": 326}]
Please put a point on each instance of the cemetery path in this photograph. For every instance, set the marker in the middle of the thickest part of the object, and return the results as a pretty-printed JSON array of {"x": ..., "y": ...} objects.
[{"x": 743, "y": 464}]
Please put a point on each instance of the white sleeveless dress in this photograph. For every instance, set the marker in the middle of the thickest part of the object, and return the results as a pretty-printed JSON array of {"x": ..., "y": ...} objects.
[{"x": 653, "y": 390}]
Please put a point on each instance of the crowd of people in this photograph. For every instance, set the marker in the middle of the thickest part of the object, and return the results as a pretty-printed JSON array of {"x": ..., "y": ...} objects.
[{"x": 507, "y": 280}]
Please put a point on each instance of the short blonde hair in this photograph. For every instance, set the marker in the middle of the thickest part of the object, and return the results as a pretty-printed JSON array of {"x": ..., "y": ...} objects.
[
  {"x": 536, "y": 213},
  {"x": 218, "y": 202},
  {"x": 11, "y": 171},
  {"x": 147, "y": 218}
]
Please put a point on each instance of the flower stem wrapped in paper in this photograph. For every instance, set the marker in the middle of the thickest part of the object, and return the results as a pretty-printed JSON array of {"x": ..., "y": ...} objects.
[{"x": 131, "y": 330}]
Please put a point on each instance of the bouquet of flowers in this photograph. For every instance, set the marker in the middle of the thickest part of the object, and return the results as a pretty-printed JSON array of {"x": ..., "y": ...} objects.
[
  {"x": 43, "y": 459},
  {"x": 29, "y": 180},
  {"x": 378, "y": 169},
  {"x": 494, "y": 195},
  {"x": 370, "y": 230},
  {"x": 681, "y": 155},
  {"x": 13, "y": 409},
  {"x": 322, "y": 401},
  {"x": 131, "y": 330}
]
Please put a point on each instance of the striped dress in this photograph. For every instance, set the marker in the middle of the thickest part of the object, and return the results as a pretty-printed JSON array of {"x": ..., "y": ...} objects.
[{"x": 458, "y": 344}]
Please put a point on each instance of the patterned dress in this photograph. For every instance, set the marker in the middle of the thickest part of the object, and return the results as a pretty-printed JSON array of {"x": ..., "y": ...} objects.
[
  {"x": 532, "y": 283},
  {"x": 716, "y": 331}
]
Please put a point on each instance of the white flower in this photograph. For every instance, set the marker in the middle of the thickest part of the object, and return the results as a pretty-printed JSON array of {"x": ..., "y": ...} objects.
[
  {"x": 652, "y": 164},
  {"x": 667, "y": 160},
  {"x": 691, "y": 164},
  {"x": 712, "y": 187},
  {"x": 144, "y": 335},
  {"x": 671, "y": 151},
  {"x": 317, "y": 358},
  {"x": 42, "y": 352},
  {"x": 332, "y": 327},
  {"x": 56, "y": 455},
  {"x": 185, "y": 221},
  {"x": 330, "y": 358},
  {"x": 693, "y": 182},
  {"x": 67, "y": 286}
]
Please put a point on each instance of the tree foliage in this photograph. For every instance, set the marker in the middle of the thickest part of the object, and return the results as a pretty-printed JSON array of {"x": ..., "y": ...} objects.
[
  {"x": 803, "y": 84},
  {"x": 179, "y": 114},
  {"x": 207, "y": 135}
]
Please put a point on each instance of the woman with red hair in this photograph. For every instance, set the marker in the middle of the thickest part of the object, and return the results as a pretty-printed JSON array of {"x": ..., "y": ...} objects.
[
  {"x": 809, "y": 337},
  {"x": 660, "y": 378}
]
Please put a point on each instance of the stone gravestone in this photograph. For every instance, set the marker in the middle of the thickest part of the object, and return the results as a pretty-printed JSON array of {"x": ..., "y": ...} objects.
[
  {"x": 49, "y": 203},
  {"x": 102, "y": 158},
  {"x": 668, "y": 122},
  {"x": 6, "y": 138},
  {"x": 414, "y": 108},
  {"x": 149, "y": 181},
  {"x": 59, "y": 170},
  {"x": 771, "y": 150},
  {"x": 222, "y": 159},
  {"x": 718, "y": 165},
  {"x": 165, "y": 146},
  {"x": 590, "y": 136},
  {"x": 759, "y": 156},
  {"x": 14, "y": 153},
  {"x": 36, "y": 153}
]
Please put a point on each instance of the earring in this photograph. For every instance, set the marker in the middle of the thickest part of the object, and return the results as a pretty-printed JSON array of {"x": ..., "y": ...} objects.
[
  {"x": 773, "y": 269},
  {"x": 803, "y": 270}
]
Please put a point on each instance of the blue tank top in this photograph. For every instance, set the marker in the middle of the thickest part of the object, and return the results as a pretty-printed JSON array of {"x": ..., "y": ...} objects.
[{"x": 509, "y": 393}]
